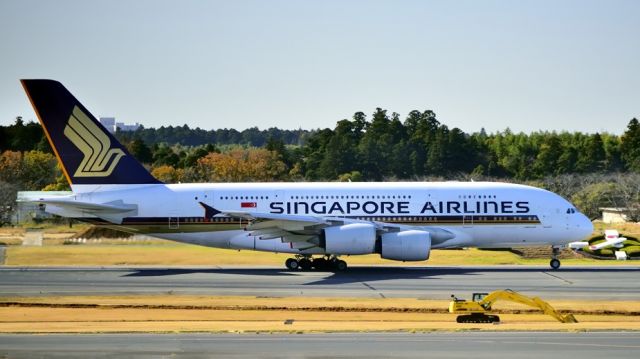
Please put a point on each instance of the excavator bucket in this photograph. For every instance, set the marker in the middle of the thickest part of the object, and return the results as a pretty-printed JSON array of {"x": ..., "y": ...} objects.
[{"x": 569, "y": 318}]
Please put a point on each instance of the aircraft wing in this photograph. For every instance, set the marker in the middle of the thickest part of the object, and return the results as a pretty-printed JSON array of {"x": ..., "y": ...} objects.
[{"x": 302, "y": 231}]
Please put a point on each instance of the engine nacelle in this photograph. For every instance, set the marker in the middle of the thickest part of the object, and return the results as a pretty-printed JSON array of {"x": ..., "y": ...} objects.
[
  {"x": 406, "y": 245},
  {"x": 355, "y": 238}
]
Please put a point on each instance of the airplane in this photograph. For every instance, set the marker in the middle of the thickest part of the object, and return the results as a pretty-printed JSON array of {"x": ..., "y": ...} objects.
[
  {"x": 317, "y": 223},
  {"x": 612, "y": 239}
]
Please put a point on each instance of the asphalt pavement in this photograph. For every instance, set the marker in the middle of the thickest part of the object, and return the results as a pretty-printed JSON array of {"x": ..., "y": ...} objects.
[{"x": 479, "y": 345}]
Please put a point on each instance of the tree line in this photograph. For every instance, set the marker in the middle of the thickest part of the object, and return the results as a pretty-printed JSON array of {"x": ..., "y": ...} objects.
[
  {"x": 380, "y": 147},
  {"x": 419, "y": 146},
  {"x": 185, "y": 136}
]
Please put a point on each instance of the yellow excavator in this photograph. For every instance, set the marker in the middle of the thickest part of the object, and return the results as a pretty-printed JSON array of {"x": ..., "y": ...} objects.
[{"x": 477, "y": 310}]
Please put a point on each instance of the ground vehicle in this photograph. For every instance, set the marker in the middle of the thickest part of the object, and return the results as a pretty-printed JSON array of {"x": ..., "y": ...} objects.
[{"x": 477, "y": 310}]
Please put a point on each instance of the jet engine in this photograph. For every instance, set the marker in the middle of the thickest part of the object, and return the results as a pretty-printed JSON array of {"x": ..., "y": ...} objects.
[
  {"x": 409, "y": 245},
  {"x": 355, "y": 238}
]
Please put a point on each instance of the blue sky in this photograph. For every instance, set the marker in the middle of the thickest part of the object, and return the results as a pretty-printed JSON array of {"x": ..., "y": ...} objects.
[{"x": 527, "y": 65}]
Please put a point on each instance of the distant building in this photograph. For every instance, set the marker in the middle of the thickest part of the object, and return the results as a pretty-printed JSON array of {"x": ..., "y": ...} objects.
[
  {"x": 614, "y": 215},
  {"x": 111, "y": 125},
  {"x": 108, "y": 122}
]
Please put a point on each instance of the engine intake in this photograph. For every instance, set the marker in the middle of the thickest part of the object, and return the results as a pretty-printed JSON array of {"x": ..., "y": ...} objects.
[
  {"x": 406, "y": 245},
  {"x": 355, "y": 238}
]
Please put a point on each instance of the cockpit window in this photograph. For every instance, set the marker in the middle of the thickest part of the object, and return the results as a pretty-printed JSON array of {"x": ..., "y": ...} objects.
[{"x": 571, "y": 210}]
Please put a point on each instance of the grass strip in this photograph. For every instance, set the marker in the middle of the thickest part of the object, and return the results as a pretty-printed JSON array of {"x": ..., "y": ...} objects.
[
  {"x": 191, "y": 313},
  {"x": 183, "y": 254}
]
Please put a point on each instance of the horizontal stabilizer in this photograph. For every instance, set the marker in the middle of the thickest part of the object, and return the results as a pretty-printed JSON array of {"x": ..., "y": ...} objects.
[{"x": 112, "y": 212}]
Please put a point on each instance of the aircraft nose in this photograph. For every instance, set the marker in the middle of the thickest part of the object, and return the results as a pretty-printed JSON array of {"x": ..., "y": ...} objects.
[{"x": 584, "y": 226}]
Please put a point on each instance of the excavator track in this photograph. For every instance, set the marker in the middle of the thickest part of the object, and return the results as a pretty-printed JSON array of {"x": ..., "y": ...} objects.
[{"x": 478, "y": 318}]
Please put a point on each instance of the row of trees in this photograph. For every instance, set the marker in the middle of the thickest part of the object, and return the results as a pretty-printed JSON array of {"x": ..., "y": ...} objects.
[
  {"x": 23, "y": 136},
  {"x": 29, "y": 170},
  {"x": 590, "y": 169},
  {"x": 421, "y": 146},
  {"x": 590, "y": 192},
  {"x": 384, "y": 147},
  {"x": 236, "y": 165},
  {"x": 183, "y": 135}
]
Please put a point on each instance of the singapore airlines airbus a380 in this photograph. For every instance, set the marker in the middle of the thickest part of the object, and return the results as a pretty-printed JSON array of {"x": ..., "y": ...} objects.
[{"x": 315, "y": 222}]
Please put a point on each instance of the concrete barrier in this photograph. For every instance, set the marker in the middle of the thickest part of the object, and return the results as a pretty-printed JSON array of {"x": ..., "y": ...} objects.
[{"x": 32, "y": 237}]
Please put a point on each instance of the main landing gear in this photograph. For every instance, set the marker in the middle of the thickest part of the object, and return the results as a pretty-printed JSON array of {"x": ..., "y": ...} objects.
[
  {"x": 305, "y": 263},
  {"x": 555, "y": 262}
]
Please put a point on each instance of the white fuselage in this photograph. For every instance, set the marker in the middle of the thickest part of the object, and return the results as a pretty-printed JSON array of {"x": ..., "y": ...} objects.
[{"x": 472, "y": 214}]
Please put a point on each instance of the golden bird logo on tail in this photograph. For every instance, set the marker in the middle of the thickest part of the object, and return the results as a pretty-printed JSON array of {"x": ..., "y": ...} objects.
[{"x": 99, "y": 158}]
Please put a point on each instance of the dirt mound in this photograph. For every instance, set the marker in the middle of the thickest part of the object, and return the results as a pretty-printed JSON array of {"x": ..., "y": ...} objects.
[
  {"x": 544, "y": 252},
  {"x": 101, "y": 232}
]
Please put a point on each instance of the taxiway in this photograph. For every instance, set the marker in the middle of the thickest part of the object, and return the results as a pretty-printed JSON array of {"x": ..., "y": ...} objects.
[
  {"x": 337, "y": 345},
  {"x": 598, "y": 283}
]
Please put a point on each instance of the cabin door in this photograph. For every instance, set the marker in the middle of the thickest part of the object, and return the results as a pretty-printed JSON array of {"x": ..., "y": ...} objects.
[
  {"x": 467, "y": 221},
  {"x": 174, "y": 221}
]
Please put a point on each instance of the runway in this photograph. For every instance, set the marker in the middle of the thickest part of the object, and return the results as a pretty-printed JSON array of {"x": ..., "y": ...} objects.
[
  {"x": 598, "y": 283},
  {"x": 338, "y": 345}
]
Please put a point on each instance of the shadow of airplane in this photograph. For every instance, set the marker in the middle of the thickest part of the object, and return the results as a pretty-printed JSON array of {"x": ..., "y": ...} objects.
[{"x": 371, "y": 274}]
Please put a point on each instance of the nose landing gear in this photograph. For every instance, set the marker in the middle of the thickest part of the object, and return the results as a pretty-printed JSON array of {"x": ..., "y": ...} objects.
[{"x": 555, "y": 262}]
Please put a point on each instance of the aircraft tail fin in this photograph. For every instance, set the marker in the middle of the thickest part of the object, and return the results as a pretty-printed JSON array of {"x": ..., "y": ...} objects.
[{"x": 88, "y": 153}]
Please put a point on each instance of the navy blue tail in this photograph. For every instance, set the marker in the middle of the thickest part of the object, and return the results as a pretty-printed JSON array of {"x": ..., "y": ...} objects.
[{"x": 89, "y": 154}]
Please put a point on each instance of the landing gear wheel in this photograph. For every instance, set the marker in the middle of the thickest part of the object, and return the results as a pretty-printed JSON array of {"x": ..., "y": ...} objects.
[
  {"x": 340, "y": 265},
  {"x": 555, "y": 262},
  {"x": 292, "y": 264},
  {"x": 305, "y": 264},
  {"x": 319, "y": 264}
]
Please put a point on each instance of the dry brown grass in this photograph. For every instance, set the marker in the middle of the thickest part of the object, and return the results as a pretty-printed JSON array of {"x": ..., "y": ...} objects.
[
  {"x": 231, "y": 314},
  {"x": 183, "y": 254},
  {"x": 335, "y": 304},
  {"x": 160, "y": 252},
  {"x": 11, "y": 236},
  {"x": 40, "y": 320},
  {"x": 177, "y": 254},
  {"x": 54, "y": 234}
]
